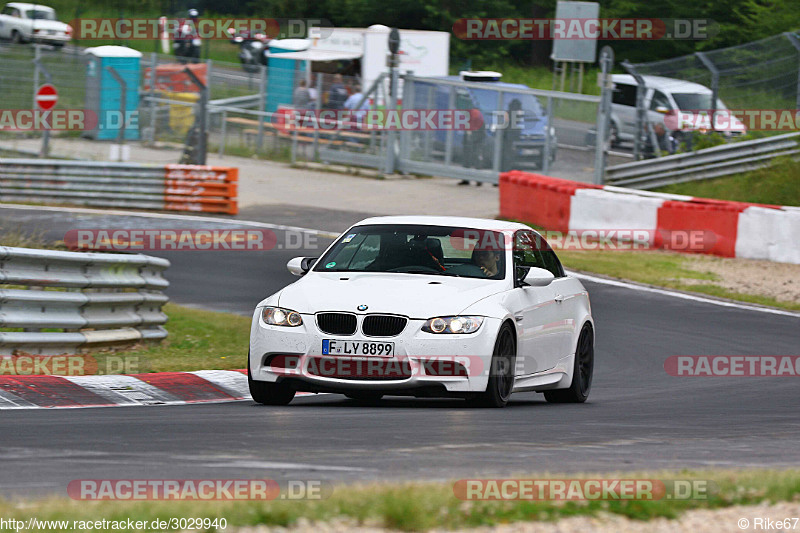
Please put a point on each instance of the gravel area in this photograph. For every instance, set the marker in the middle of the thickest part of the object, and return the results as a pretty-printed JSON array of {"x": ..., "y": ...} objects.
[
  {"x": 750, "y": 276},
  {"x": 700, "y": 520}
]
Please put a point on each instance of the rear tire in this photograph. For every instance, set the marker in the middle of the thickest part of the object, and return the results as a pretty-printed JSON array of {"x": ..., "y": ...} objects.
[
  {"x": 582, "y": 371},
  {"x": 267, "y": 393},
  {"x": 501, "y": 372}
]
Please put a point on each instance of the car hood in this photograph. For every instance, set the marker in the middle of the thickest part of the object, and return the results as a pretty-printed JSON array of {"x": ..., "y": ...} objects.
[{"x": 413, "y": 295}]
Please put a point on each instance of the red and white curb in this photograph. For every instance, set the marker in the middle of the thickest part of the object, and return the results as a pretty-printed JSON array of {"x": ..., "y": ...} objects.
[
  {"x": 162, "y": 388},
  {"x": 734, "y": 229}
]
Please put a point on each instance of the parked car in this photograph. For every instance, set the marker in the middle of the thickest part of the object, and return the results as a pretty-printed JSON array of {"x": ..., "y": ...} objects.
[
  {"x": 26, "y": 23},
  {"x": 523, "y": 146},
  {"x": 662, "y": 96}
]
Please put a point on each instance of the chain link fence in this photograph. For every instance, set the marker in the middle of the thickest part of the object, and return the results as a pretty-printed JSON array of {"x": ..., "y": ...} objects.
[{"x": 760, "y": 75}]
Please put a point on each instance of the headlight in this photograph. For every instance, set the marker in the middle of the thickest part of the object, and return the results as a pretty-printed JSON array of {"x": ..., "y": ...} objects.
[
  {"x": 278, "y": 316},
  {"x": 453, "y": 324}
]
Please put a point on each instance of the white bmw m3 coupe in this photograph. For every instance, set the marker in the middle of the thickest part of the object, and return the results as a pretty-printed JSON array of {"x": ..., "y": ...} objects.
[{"x": 426, "y": 306}]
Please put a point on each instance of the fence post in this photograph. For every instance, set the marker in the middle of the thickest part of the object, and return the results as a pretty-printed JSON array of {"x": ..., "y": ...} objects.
[
  {"x": 209, "y": 67},
  {"x": 640, "y": 110},
  {"x": 408, "y": 103},
  {"x": 122, "y": 101},
  {"x": 202, "y": 140},
  {"x": 714, "y": 85},
  {"x": 603, "y": 112},
  {"x": 498, "y": 135},
  {"x": 317, "y": 107},
  {"x": 448, "y": 144},
  {"x": 37, "y": 62},
  {"x": 37, "y": 55},
  {"x": 796, "y": 43},
  {"x": 262, "y": 105},
  {"x": 153, "y": 104},
  {"x": 548, "y": 139},
  {"x": 224, "y": 132}
]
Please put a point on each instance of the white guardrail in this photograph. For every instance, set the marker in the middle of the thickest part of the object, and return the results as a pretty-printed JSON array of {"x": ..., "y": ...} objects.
[
  {"x": 91, "y": 299},
  {"x": 724, "y": 160}
]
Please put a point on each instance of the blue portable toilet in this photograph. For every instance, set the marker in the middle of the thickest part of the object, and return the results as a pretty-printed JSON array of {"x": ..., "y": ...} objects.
[
  {"x": 283, "y": 74},
  {"x": 104, "y": 94}
]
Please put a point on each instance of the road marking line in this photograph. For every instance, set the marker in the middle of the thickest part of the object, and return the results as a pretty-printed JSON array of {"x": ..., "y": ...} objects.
[{"x": 170, "y": 216}]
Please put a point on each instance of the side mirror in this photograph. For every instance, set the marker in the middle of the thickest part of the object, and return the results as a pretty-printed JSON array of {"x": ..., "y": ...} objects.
[
  {"x": 663, "y": 110},
  {"x": 299, "y": 266},
  {"x": 539, "y": 277}
]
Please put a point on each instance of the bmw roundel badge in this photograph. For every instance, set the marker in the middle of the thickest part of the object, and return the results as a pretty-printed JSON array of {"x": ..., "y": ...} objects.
[{"x": 362, "y": 307}]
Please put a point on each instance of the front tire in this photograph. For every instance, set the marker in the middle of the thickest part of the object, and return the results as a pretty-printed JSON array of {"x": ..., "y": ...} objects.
[
  {"x": 267, "y": 393},
  {"x": 582, "y": 371},
  {"x": 501, "y": 372}
]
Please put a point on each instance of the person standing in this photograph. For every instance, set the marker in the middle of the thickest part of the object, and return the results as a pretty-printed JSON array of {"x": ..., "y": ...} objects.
[{"x": 301, "y": 98}]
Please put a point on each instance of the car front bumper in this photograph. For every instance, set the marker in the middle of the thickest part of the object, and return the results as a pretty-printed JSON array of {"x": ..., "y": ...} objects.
[{"x": 447, "y": 362}]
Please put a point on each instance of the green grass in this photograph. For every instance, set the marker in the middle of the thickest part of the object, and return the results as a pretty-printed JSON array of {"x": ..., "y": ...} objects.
[
  {"x": 778, "y": 184},
  {"x": 422, "y": 506},
  {"x": 198, "y": 340}
]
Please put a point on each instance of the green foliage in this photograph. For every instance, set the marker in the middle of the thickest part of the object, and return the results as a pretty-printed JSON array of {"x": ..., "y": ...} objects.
[{"x": 733, "y": 22}]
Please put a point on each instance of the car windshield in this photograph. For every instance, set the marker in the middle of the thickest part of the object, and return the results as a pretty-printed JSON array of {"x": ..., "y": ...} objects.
[
  {"x": 418, "y": 249},
  {"x": 689, "y": 101},
  {"x": 39, "y": 14}
]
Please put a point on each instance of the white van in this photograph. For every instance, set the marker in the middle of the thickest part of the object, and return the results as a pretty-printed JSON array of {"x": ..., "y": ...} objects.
[{"x": 663, "y": 96}]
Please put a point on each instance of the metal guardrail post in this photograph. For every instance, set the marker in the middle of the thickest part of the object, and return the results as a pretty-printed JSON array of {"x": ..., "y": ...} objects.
[
  {"x": 796, "y": 43},
  {"x": 714, "y": 86}
]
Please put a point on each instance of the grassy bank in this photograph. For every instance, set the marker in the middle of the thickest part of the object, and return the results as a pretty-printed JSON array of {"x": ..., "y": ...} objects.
[
  {"x": 777, "y": 185},
  {"x": 198, "y": 340},
  {"x": 686, "y": 272},
  {"x": 422, "y": 506}
]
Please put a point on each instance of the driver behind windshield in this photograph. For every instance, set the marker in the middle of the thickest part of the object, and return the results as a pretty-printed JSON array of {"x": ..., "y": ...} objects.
[{"x": 488, "y": 261}]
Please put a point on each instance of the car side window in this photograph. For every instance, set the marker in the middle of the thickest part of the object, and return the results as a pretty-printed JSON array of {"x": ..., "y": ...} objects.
[
  {"x": 551, "y": 260},
  {"x": 659, "y": 100},
  {"x": 624, "y": 94},
  {"x": 527, "y": 253}
]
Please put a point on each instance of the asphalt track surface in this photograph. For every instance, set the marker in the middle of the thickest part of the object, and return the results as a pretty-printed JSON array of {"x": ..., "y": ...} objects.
[{"x": 638, "y": 417}]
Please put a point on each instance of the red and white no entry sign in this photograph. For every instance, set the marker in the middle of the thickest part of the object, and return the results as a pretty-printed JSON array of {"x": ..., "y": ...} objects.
[{"x": 46, "y": 97}]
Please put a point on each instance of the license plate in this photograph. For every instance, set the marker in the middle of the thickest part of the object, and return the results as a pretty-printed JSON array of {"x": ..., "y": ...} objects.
[
  {"x": 531, "y": 151},
  {"x": 359, "y": 348}
]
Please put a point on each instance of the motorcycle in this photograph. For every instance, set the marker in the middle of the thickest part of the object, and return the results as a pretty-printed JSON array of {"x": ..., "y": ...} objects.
[
  {"x": 187, "y": 44},
  {"x": 253, "y": 49}
]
